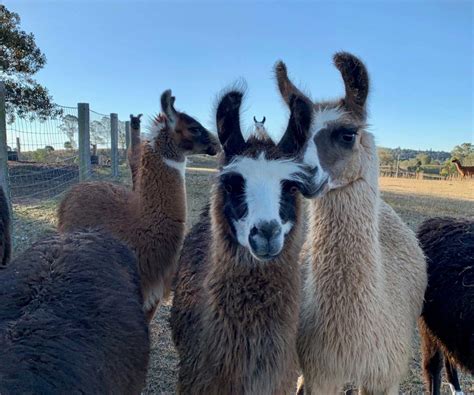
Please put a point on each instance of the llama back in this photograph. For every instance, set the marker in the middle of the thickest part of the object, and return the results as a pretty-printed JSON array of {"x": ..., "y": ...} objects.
[{"x": 68, "y": 322}]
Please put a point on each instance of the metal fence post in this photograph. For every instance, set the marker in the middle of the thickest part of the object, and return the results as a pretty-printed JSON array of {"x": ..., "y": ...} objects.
[
  {"x": 127, "y": 135},
  {"x": 84, "y": 141},
  {"x": 114, "y": 144},
  {"x": 4, "y": 181}
]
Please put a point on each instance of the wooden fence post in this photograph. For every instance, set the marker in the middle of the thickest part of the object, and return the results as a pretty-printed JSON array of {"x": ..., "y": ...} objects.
[
  {"x": 4, "y": 180},
  {"x": 127, "y": 135},
  {"x": 114, "y": 144},
  {"x": 18, "y": 147},
  {"x": 84, "y": 141}
]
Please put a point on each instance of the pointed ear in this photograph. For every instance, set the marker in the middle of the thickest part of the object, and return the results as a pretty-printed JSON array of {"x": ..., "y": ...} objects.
[
  {"x": 285, "y": 86},
  {"x": 299, "y": 125},
  {"x": 228, "y": 123},
  {"x": 167, "y": 107},
  {"x": 356, "y": 82}
]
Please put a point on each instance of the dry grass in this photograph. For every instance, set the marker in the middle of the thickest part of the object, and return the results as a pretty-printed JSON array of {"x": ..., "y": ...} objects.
[{"x": 414, "y": 200}]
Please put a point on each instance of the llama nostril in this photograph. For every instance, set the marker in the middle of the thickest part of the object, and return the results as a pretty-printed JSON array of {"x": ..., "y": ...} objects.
[
  {"x": 253, "y": 231},
  {"x": 269, "y": 230}
]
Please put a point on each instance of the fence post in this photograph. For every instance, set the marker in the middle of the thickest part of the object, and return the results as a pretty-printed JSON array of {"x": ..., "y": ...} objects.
[
  {"x": 127, "y": 135},
  {"x": 4, "y": 181},
  {"x": 18, "y": 147},
  {"x": 84, "y": 141},
  {"x": 114, "y": 144}
]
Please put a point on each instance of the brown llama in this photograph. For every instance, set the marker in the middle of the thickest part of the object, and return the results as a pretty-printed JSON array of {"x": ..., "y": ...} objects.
[
  {"x": 235, "y": 307},
  {"x": 5, "y": 223},
  {"x": 447, "y": 322},
  {"x": 150, "y": 220},
  {"x": 134, "y": 150},
  {"x": 71, "y": 319},
  {"x": 464, "y": 171},
  {"x": 364, "y": 272}
]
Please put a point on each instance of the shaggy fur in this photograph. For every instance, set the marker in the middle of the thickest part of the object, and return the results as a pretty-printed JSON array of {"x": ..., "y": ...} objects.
[
  {"x": 447, "y": 322},
  {"x": 71, "y": 318},
  {"x": 364, "y": 272},
  {"x": 134, "y": 151},
  {"x": 151, "y": 220},
  {"x": 234, "y": 318},
  {"x": 464, "y": 171},
  {"x": 5, "y": 241}
]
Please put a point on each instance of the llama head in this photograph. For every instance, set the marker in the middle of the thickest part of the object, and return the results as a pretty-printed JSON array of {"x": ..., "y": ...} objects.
[
  {"x": 256, "y": 196},
  {"x": 188, "y": 134},
  {"x": 135, "y": 121},
  {"x": 455, "y": 160},
  {"x": 339, "y": 150}
]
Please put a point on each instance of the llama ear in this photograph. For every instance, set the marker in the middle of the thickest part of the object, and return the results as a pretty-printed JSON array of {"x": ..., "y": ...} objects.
[
  {"x": 299, "y": 124},
  {"x": 356, "y": 82},
  {"x": 228, "y": 123},
  {"x": 285, "y": 86},
  {"x": 167, "y": 107}
]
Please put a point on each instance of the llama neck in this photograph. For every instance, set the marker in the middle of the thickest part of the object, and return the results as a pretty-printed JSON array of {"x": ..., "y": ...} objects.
[
  {"x": 162, "y": 185},
  {"x": 344, "y": 240},
  {"x": 459, "y": 168}
]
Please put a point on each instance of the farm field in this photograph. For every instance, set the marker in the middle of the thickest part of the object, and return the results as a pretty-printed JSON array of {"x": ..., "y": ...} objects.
[{"x": 414, "y": 200}]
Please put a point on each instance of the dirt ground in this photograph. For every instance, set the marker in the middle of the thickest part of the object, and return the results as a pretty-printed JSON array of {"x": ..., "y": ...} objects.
[{"x": 414, "y": 200}]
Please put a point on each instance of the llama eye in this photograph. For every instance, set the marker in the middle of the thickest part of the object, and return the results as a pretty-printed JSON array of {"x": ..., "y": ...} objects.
[
  {"x": 348, "y": 137},
  {"x": 294, "y": 190}
]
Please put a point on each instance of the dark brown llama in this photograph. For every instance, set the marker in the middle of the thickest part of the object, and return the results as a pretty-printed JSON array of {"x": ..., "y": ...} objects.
[
  {"x": 447, "y": 322},
  {"x": 5, "y": 238},
  {"x": 236, "y": 301},
  {"x": 464, "y": 171},
  {"x": 150, "y": 220},
  {"x": 71, "y": 318}
]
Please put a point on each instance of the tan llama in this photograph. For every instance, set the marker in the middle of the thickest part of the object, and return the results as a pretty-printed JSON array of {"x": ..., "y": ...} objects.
[
  {"x": 151, "y": 219},
  {"x": 364, "y": 272}
]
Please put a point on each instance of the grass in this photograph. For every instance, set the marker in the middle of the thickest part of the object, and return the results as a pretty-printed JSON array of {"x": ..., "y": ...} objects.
[{"x": 414, "y": 200}]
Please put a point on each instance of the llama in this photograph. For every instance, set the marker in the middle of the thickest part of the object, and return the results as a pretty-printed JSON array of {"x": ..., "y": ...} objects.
[
  {"x": 259, "y": 126},
  {"x": 151, "y": 220},
  {"x": 235, "y": 307},
  {"x": 135, "y": 147},
  {"x": 464, "y": 171},
  {"x": 364, "y": 272},
  {"x": 5, "y": 238},
  {"x": 71, "y": 319},
  {"x": 447, "y": 322}
]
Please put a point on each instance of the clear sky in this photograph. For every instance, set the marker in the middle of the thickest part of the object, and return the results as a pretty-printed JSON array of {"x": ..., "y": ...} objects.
[{"x": 120, "y": 55}]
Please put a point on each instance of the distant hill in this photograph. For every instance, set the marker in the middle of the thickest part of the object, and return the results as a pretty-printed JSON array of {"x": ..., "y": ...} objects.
[{"x": 406, "y": 154}]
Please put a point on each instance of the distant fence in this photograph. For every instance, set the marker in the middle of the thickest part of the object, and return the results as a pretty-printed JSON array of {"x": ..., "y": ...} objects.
[
  {"x": 40, "y": 159},
  {"x": 392, "y": 171}
]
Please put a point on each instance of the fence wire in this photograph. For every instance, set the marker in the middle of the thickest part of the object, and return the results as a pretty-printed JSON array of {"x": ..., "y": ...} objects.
[{"x": 43, "y": 155}]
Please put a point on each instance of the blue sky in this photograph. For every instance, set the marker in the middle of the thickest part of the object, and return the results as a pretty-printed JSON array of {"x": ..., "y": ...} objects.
[{"x": 120, "y": 55}]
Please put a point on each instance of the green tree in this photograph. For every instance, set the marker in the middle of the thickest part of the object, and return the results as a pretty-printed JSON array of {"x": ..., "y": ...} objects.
[
  {"x": 68, "y": 145},
  {"x": 385, "y": 156},
  {"x": 70, "y": 127},
  {"x": 20, "y": 59},
  {"x": 425, "y": 159}
]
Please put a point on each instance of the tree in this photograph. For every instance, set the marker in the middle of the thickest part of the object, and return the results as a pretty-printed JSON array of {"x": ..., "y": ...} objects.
[
  {"x": 425, "y": 159},
  {"x": 69, "y": 127},
  {"x": 67, "y": 145},
  {"x": 20, "y": 59},
  {"x": 465, "y": 153},
  {"x": 385, "y": 156}
]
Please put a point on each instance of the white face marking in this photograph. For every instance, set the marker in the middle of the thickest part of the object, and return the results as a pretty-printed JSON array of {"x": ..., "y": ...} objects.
[
  {"x": 263, "y": 191},
  {"x": 180, "y": 166},
  {"x": 311, "y": 157}
]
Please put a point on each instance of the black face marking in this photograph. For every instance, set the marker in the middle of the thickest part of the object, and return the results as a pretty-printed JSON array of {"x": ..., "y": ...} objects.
[
  {"x": 288, "y": 201},
  {"x": 233, "y": 190},
  {"x": 344, "y": 136}
]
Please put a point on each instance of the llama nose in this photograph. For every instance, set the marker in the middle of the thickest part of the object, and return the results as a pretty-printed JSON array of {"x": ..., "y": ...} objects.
[{"x": 266, "y": 230}]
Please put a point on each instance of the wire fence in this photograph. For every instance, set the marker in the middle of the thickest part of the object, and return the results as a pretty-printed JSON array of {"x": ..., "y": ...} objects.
[{"x": 45, "y": 157}]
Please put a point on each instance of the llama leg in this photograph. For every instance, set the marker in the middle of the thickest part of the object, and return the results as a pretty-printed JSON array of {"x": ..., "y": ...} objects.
[
  {"x": 452, "y": 376},
  {"x": 432, "y": 364}
]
